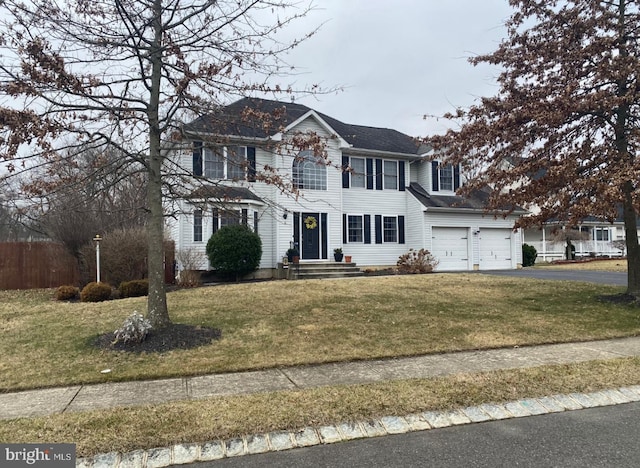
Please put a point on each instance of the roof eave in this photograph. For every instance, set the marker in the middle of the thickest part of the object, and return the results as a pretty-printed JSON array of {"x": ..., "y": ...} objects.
[{"x": 371, "y": 152}]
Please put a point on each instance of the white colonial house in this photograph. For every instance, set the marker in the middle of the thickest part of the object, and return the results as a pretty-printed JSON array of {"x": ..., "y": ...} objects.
[{"x": 391, "y": 199}]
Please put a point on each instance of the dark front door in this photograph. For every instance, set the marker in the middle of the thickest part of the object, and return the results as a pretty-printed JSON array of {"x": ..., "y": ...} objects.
[{"x": 310, "y": 224}]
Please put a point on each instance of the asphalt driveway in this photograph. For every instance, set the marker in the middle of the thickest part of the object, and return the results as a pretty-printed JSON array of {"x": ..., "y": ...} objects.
[{"x": 600, "y": 277}]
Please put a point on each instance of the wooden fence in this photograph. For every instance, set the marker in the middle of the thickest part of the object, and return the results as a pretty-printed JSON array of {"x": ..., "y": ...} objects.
[{"x": 28, "y": 265}]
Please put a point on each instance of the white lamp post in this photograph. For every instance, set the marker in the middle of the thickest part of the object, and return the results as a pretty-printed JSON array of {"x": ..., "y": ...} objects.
[{"x": 97, "y": 240}]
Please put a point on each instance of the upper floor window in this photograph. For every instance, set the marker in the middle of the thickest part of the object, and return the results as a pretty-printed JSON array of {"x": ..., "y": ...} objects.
[
  {"x": 309, "y": 172},
  {"x": 225, "y": 162},
  {"x": 357, "y": 172},
  {"x": 390, "y": 171},
  {"x": 445, "y": 177}
]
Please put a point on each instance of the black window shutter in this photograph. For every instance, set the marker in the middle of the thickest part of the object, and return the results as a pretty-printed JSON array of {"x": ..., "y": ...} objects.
[
  {"x": 344, "y": 228},
  {"x": 378, "y": 229},
  {"x": 197, "y": 158},
  {"x": 401, "y": 229},
  {"x": 456, "y": 177},
  {"x": 369, "y": 174},
  {"x": 323, "y": 230},
  {"x": 245, "y": 217},
  {"x": 435, "y": 182},
  {"x": 255, "y": 222},
  {"x": 251, "y": 164},
  {"x": 345, "y": 171},
  {"x": 296, "y": 229},
  {"x": 401, "y": 181},
  {"x": 378, "y": 174},
  {"x": 367, "y": 229},
  {"x": 215, "y": 220}
]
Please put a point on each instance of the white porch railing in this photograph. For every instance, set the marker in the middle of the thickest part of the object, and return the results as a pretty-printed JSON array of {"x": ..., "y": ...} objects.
[{"x": 548, "y": 251}]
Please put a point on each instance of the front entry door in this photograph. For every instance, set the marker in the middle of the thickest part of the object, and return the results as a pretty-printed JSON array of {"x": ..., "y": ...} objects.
[{"x": 310, "y": 224}]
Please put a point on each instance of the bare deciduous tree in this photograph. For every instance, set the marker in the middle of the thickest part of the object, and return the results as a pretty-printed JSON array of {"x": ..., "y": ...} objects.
[
  {"x": 562, "y": 133},
  {"x": 124, "y": 73}
]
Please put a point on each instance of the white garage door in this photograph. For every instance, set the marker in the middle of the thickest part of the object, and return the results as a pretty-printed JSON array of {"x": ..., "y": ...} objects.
[
  {"x": 451, "y": 247},
  {"x": 495, "y": 249}
]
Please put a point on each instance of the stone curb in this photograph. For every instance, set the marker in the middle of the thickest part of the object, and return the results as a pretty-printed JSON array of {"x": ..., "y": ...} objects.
[{"x": 282, "y": 440}]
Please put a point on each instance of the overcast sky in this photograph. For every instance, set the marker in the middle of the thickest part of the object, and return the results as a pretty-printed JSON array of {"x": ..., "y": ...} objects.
[{"x": 399, "y": 60}]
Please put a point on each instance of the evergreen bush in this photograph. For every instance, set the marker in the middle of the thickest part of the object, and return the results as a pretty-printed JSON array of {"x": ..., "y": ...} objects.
[
  {"x": 234, "y": 251},
  {"x": 529, "y": 254}
]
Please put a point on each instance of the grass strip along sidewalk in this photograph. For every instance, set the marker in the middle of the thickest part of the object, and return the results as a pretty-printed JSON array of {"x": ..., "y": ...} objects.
[{"x": 47, "y": 343}]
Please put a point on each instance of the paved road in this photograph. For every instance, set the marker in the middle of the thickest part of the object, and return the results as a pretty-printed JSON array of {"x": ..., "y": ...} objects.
[
  {"x": 600, "y": 437},
  {"x": 600, "y": 277}
]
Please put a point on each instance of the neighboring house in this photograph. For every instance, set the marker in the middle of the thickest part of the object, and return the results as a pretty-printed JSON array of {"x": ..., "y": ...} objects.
[
  {"x": 600, "y": 239},
  {"x": 391, "y": 198}
]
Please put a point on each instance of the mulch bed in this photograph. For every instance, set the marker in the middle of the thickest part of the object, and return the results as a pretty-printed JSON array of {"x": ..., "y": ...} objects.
[
  {"x": 619, "y": 299},
  {"x": 174, "y": 336}
]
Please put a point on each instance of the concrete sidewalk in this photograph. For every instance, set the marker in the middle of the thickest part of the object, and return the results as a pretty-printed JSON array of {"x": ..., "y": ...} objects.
[{"x": 110, "y": 395}]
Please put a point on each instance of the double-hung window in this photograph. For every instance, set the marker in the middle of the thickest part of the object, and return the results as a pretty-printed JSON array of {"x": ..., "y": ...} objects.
[
  {"x": 357, "y": 172},
  {"x": 390, "y": 229},
  {"x": 355, "y": 228},
  {"x": 197, "y": 225},
  {"x": 390, "y": 170},
  {"x": 601, "y": 234},
  {"x": 225, "y": 162},
  {"x": 446, "y": 177}
]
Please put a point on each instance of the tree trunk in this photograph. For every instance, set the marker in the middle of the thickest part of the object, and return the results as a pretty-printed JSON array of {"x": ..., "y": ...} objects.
[
  {"x": 633, "y": 247},
  {"x": 157, "y": 311}
]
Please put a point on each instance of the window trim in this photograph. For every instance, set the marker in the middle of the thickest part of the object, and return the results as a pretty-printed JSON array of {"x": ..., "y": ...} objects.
[
  {"x": 385, "y": 230},
  {"x": 225, "y": 162},
  {"x": 384, "y": 174},
  {"x": 361, "y": 231},
  {"x": 362, "y": 175},
  {"x": 198, "y": 225},
  {"x": 307, "y": 158}
]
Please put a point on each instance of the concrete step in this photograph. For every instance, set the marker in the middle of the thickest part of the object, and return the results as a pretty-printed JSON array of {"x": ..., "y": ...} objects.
[{"x": 317, "y": 270}]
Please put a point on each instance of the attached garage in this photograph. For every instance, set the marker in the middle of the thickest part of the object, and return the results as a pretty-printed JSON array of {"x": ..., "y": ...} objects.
[
  {"x": 495, "y": 249},
  {"x": 450, "y": 245}
]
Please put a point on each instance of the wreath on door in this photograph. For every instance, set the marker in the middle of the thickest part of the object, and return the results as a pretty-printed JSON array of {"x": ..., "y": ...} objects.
[{"x": 310, "y": 222}]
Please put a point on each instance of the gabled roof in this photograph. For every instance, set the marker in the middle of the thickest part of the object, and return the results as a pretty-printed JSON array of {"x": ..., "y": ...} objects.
[
  {"x": 476, "y": 201},
  {"x": 232, "y": 120}
]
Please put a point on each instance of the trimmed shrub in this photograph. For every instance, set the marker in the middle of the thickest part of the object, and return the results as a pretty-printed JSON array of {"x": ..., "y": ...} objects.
[
  {"x": 134, "y": 288},
  {"x": 67, "y": 293},
  {"x": 417, "y": 261},
  {"x": 134, "y": 329},
  {"x": 95, "y": 292},
  {"x": 529, "y": 254},
  {"x": 234, "y": 251}
]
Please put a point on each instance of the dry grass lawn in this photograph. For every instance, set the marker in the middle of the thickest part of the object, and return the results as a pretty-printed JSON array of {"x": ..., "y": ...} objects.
[
  {"x": 47, "y": 343},
  {"x": 597, "y": 265},
  {"x": 127, "y": 429}
]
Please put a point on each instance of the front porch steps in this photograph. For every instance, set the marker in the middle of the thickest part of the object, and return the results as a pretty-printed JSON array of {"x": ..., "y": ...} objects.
[{"x": 316, "y": 270}]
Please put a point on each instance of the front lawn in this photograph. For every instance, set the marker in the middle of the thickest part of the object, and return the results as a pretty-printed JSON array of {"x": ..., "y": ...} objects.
[{"x": 281, "y": 323}]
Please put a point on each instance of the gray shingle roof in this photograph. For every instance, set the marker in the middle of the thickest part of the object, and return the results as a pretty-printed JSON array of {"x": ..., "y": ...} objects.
[
  {"x": 232, "y": 120},
  {"x": 477, "y": 200}
]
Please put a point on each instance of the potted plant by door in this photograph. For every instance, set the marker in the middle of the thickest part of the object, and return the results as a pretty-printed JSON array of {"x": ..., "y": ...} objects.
[
  {"x": 347, "y": 258},
  {"x": 293, "y": 253},
  {"x": 337, "y": 254}
]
